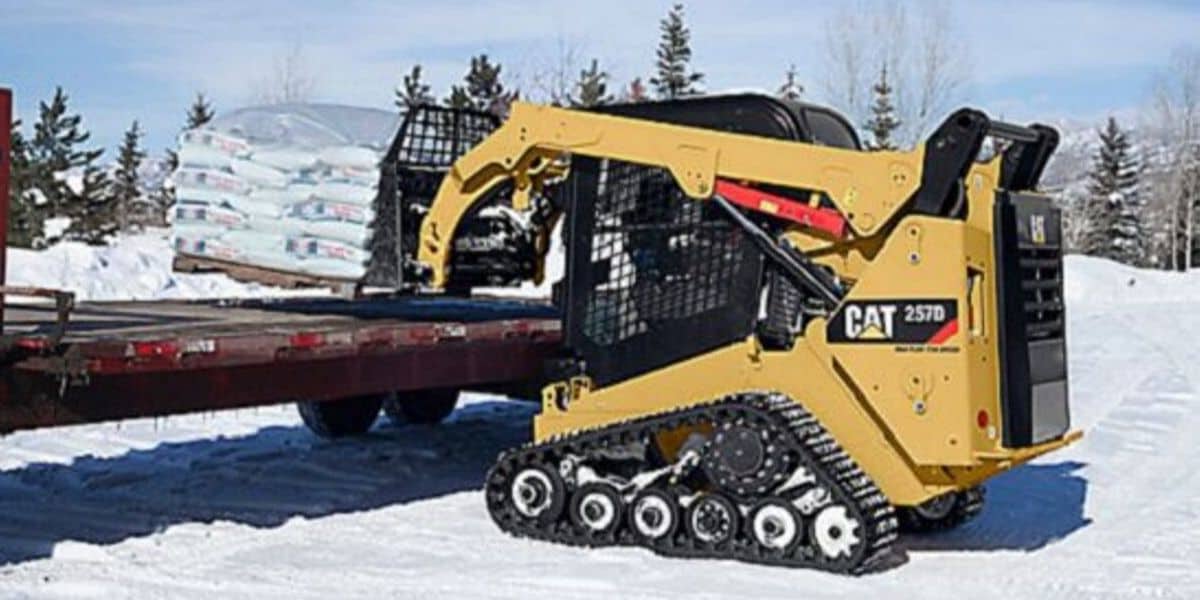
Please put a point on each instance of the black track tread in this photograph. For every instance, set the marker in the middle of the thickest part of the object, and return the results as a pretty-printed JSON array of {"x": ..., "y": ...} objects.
[
  {"x": 967, "y": 505},
  {"x": 806, "y": 439}
]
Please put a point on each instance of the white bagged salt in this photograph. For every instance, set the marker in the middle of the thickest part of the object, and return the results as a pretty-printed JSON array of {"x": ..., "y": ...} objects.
[
  {"x": 326, "y": 267},
  {"x": 211, "y": 246},
  {"x": 250, "y": 206},
  {"x": 350, "y": 233},
  {"x": 199, "y": 195},
  {"x": 224, "y": 142},
  {"x": 285, "y": 158},
  {"x": 256, "y": 240},
  {"x": 211, "y": 215},
  {"x": 271, "y": 225},
  {"x": 291, "y": 194},
  {"x": 197, "y": 230},
  {"x": 256, "y": 178},
  {"x": 279, "y": 261},
  {"x": 258, "y": 174},
  {"x": 330, "y": 210},
  {"x": 211, "y": 179},
  {"x": 314, "y": 247},
  {"x": 350, "y": 156},
  {"x": 345, "y": 189},
  {"x": 199, "y": 155},
  {"x": 360, "y": 176}
]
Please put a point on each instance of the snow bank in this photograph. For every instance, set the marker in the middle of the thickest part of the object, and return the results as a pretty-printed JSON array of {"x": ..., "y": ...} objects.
[
  {"x": 133, "y": 267},
  {"x": 1094, "y": 281}
]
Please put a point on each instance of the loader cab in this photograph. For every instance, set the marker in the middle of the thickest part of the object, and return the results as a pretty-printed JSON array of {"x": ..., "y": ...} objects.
[{"x": 652, "y": 277}]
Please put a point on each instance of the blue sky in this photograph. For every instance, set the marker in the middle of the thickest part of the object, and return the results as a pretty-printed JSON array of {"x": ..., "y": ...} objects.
[{"x": 144, "y": 60}]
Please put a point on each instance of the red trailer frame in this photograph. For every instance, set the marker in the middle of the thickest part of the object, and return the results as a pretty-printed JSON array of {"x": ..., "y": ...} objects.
[
  {"x": 138, "y": 359},
  {"x": 6, "y": 111}
]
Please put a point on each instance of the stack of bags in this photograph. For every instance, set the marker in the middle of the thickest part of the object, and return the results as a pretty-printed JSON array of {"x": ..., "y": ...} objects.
[{"x": 287, "y": 188}]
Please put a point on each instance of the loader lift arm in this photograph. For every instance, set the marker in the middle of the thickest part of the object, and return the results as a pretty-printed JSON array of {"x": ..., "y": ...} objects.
[{"x": 870, "y": 189}]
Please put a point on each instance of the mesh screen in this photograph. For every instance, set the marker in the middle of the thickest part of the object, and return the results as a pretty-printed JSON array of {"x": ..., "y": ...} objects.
[
  {"x": 656, "y": 276},
  {"x": 430, "y": 139},
  {"x": 433, "y": 137}
]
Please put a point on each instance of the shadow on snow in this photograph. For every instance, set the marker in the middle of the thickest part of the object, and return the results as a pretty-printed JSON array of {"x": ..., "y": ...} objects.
[
  {"x": 1027, "y": 508},
  {"x": 278, "y": 473},
  {"x": 261, "y": 480}
]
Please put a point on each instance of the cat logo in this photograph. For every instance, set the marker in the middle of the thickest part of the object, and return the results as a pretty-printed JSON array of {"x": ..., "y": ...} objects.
[
  {"x": 923, "y": 321},
  {"x": 1037, "y": 229},
  {"x": 870, "y": 321}
]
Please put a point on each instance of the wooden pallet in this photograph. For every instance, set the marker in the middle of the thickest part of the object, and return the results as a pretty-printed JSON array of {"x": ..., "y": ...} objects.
[{"x": 187, "y": 263}]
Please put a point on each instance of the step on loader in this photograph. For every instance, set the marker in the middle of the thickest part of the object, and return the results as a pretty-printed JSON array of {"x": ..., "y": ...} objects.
[{"x": 778, "y": 347}]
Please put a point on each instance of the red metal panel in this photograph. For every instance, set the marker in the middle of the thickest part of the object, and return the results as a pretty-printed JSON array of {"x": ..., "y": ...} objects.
[
  {"x": 829, "y": 221},
  {"x": 34, "y": 399},
  {"x": 5, "y": 174}
]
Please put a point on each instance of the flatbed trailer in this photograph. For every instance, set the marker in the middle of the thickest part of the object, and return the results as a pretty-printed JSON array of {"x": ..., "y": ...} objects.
[{"x": 63, "y": 363}]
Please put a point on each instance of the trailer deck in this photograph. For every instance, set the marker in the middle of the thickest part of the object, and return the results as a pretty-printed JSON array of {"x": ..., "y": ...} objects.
[
  {"x": 64, "y": 363},
  {"x": 115, "y": 360}
]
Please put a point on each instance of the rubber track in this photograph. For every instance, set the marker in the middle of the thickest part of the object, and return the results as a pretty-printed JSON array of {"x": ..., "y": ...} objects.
[{"x": 806, "y": 440}]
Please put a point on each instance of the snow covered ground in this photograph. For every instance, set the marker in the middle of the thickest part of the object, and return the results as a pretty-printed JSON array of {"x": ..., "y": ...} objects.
[
  {"x": 136, "y": 267},
  {"x": 248, "y": 504}
]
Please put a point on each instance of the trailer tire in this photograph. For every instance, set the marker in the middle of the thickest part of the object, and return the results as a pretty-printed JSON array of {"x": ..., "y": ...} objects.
[
  {"x": 340, "y": 418},
  {"x": 421, "y": 407}
]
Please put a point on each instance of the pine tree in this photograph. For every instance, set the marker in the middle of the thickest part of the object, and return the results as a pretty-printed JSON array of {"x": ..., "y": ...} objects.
[
  {"x": 200, "y": 112},
  {"x": 90, "y": 207},
  {"x": 675, "y": 77},
  {"x": 791, "y": 88},
  {"x": 883, "y": 119},
  {"x": 592, "y": 87},
  {"x": 25, "y": 215},
  {"x": 55, "y": 150},
  {"x": 125, "y": 191},
  {"x": 482, "y": 88},
  {"x": 1114, "y": 206},
  {"x": 413, "y": 91}
]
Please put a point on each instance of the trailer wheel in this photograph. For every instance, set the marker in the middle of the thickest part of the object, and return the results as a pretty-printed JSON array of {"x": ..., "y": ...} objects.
[
  {"x": 340, "y": 418},
  {"x": 421, "y": 407}
]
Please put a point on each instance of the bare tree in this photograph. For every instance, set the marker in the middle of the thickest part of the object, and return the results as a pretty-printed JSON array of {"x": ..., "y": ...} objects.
[
  {"x": 1175, "y": 125},
  {"x": 289, "y": 80},
  {"x": 920, "y": 46},
  {"x": 940, "y": 68},
  {"x": 845, "y": 56},
  {"x": 553, "y": 79}
]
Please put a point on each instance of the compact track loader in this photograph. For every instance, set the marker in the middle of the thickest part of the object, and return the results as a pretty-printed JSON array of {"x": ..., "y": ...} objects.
[{"x": 780, "y": 348}]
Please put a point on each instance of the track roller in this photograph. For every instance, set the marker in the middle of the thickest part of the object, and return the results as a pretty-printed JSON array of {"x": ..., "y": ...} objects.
[
  {"x": 597, "y": 508},
  {"x": 538, "y": 494},
  {"x": 775, "y": 525},
  {"x": 654, "y": 516},
  {"x": 712, "y": 520}
]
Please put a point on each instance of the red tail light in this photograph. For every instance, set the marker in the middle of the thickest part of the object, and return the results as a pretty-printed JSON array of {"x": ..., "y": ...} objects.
[
  {"x": 152, "y": 349},
  {"x": 307, "y": 339}
]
